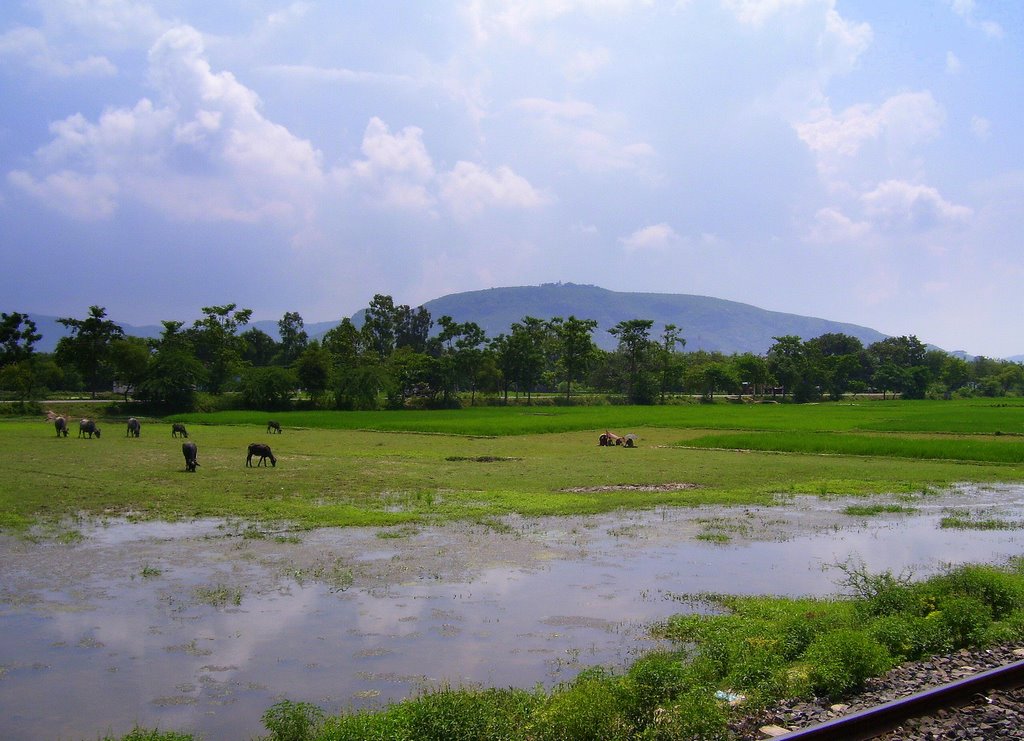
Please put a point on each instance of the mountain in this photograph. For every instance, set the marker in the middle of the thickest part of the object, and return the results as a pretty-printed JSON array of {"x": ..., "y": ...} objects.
[{"x": 706, "y": 323}]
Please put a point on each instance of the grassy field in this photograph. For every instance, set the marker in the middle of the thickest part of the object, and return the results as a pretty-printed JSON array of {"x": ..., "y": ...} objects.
[{"x": 379, "y": 468}]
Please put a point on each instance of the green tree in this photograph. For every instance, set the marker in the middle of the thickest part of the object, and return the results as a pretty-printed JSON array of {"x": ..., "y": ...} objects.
[
  {"x": 260, "y": 348},
  {"x": 670, "y": 369},
  {"x": 752, "y": 369},
  {"x": 528, "y": 346},
  {"x": 379, "y": 326},
  {"x": 293, "y": 335},
  {"x": 18, "y": 337},
  {"x": 174, "y": 371},
  {"x": 217, "y": 343},
  {"x": 412, "y": 328},
  {"x": 313, "y": 369},
  {"x": 267, "y": 388},
  {"x": 130, "y": 358},
  {"x": 574, "y": 347},
  {"x": 636, "y": 352},
  {"x": 718, "y": 376},
  {"x": 345, "y": 344},
  {"x": 88, "y": 346}
]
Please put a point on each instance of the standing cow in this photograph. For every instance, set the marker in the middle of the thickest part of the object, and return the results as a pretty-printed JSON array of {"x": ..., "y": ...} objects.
[
  {"x": 178, "y": 429},
  {"x": 263, "y": 451},
  {"x": 134, "y": 428},
  {"x": 190, "y": 451},
  {"x": 61, "y": 425},
  {"x": 87, "y": 427}
]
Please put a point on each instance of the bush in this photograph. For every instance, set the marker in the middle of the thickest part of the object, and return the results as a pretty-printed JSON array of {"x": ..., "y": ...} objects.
[
  {"x": 653, "y": 680},
  {"x": 841, "y": 661},
  {"x": 292, "y": 721},
  {"x": 965, "y": 620},
  {"x": 694, "y": 715},
  {"x": 589, "y": 709}
]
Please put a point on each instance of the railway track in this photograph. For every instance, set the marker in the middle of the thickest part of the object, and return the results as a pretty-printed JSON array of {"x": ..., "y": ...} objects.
[{"x": 881, "y": 719}]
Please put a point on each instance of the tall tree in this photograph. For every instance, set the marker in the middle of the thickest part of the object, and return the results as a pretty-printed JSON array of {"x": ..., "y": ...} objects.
[
  {"x": 18, "y": 337},
  {"x": 379, "y": 326},
  {"x": 293, "y": 337},
  {"x": 670, "y": 337},
  {"x": 412, "y": 328},
  {"x": 130, "y": 358},
  {"x": 574, "y": 348},
  {"x": 174, "y": 371},
  {"x": 218, "y": 344},
  {"x": 528, "y": 347},
  {"x": 313, "y": 369},
  {"x": 635, "y": 349},
  {"x": 88, "y": 346}
]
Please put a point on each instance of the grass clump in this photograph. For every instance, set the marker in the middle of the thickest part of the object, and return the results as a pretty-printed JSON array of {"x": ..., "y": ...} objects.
[{"x": 870, "y": 510}]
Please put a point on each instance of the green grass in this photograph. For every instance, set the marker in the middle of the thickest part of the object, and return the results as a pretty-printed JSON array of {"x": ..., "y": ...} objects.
[
  {"x": 961, "y": 417},
  {"x": 997, "y": 449},
  {"x": 869, "y": 510},
  {"x": 393, "y": 468}
]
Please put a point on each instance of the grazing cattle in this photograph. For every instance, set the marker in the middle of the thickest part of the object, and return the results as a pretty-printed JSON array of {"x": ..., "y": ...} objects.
[
  {"x": 189, "y": 450},
  {"x": 273, "y": 426},
  {"x": 134, "y": 428},
  {"x": 88, "y": 427},
  {"x": 178, "y": 429},
  {"x": 61, "y": 426},
  {"x": 263, "y": 451}
]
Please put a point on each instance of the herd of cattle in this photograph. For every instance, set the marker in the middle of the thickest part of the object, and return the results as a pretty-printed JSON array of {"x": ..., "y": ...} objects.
[{"x": 88, "y": 428}]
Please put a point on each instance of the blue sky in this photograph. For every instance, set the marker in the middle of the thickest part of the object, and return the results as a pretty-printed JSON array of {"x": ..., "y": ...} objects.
[{"x": 859, "y": 161}]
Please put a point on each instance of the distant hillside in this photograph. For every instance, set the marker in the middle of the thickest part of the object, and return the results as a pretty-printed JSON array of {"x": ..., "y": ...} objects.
[{"x": 706, "y": 323}]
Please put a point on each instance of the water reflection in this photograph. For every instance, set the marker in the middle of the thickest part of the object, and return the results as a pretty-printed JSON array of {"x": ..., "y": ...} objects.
[{"x": 196, "y": 627}]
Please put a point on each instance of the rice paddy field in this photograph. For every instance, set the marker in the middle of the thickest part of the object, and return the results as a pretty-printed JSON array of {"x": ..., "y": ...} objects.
[{"x": 385, "y": 468}]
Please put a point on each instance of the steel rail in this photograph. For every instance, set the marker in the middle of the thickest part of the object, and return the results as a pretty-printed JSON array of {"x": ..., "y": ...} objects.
[{"x": 873, "y": 722}]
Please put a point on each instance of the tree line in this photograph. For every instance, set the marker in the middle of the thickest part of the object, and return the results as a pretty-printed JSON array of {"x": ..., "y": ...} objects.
[{"x": 401, "y": 357}]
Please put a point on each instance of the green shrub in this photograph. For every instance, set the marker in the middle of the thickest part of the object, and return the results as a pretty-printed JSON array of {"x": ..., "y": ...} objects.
[
  {"x": 653, "y": 680},
  {"x": 588, "y": 709},
  {"x": 146, "y": 734},
  {"x": 841, "y": 661},
  {"x": 696, "y": 714},
  {"x": 292, "y": 721},
  {"x": 453, "y": 714},
  {"x": 965, "y": 620}
]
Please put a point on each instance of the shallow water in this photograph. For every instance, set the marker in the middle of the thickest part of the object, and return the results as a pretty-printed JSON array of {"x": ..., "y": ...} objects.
[{"x": 198, "y": 627}]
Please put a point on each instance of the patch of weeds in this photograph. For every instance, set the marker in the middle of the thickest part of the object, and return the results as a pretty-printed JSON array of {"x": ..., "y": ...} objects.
[
  {"x": 335, "y": 575},
  {"x": 292, "y": 721},
  {"x": 869, "y": 510},
  {"x": 253, "y": 533},
  {"x": 960, "y": 522},
  {"x": 70, "y": 537},
  {"x": 287, "y": 539},
  {"x": 219, "y": 595},
  {"x": 149, "y": 572},
  {"x": 496, "y": 525},
  {"x": 714, "y": 537},
  {"x": 401, "y": 531}
]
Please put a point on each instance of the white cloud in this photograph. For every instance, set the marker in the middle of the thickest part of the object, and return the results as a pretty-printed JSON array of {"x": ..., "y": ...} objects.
[
  {"x": 654, "y": 237},
  {"x": 896, "y": 205},
  {"x": 110, "y": 23},
  {"x": 953, "y": 64},
  {"x": 468, "y": 189},
  {"x": 518, "y": 19},
  {"x": 832, "y": 226},
  {"x": 965, "y": 9},
  {"x": 591, "y": 138},
  {"x": 207, "y": 154},
  {"x": 903, "y": 120},
  {"x": 28, "y": 46},
  {"x": 397, "y": 168}
]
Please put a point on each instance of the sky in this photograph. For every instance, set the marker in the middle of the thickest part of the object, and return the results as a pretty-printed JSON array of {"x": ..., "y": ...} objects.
[{"x": 859, "y": 161}]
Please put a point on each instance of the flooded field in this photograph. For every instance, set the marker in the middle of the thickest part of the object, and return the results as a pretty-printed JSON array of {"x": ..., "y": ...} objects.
[{"x": 201, "y": 626}]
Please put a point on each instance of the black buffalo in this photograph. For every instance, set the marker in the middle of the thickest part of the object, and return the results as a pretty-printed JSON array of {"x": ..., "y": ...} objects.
[
  {"x": 263, "y": 451},
  {"x": 189, "y": 450},
  {"x": 178, "y": 429},
  {"x": 61, "y": 425},
  {"x": 273, "y": 426},
  {"x": 87, "y": 427},
  {"x": 134, "y": 428}
]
